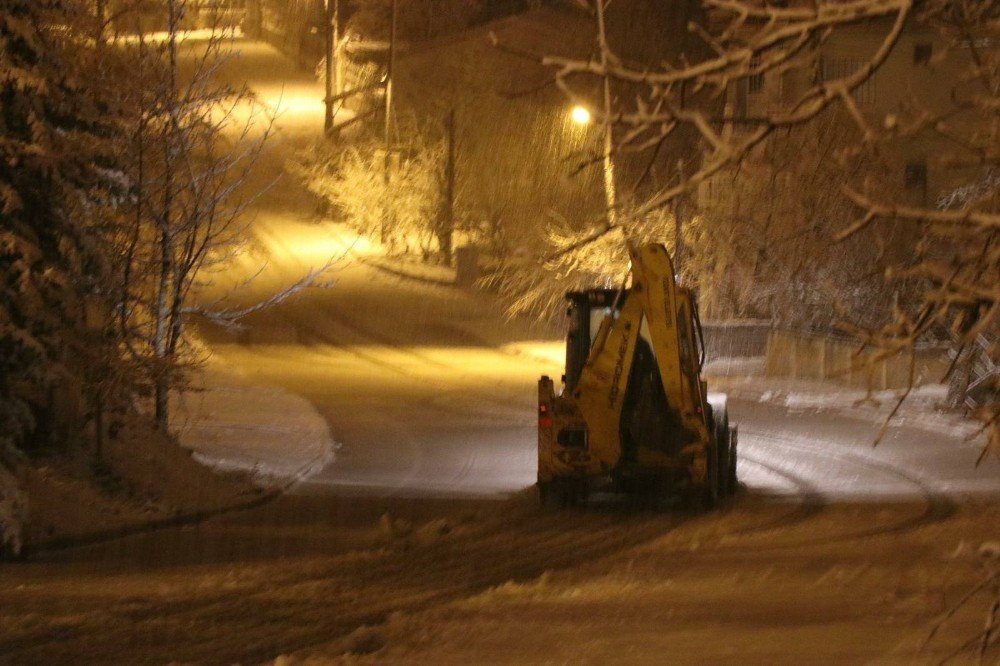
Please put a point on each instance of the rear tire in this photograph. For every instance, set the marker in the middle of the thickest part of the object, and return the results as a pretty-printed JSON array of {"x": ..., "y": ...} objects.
[
  {"x": 711, "y": 492},
  {"x": 561, "y": 493},
  {"x": 547, "y": 495},
  {"x": 721, "y": 455},
  {"x": 734, "y": 482}
]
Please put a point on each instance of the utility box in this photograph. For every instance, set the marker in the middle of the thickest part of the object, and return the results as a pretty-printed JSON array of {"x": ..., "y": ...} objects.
[{"x": 466, "y": 265}]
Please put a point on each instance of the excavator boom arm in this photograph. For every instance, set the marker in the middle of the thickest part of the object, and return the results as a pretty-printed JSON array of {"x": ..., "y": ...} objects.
[{"x": 657, "y": 310}]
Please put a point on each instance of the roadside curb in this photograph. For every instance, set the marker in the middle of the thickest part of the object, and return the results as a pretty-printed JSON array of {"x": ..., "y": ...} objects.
[
  {"x": 238, "y": 423},
  {"x": 396, "y": 272},
  {"x": 735, "y": 390},
  {"x": 179, "y": 520},
  {"x": 382, "y": 266}
]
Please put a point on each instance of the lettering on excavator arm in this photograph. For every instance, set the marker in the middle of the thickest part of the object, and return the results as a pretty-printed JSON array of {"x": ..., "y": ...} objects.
[
  {"x": 671, "y": 339},
  {"x": 616, "y": 378},
  {"x": 668, "y": 306}
]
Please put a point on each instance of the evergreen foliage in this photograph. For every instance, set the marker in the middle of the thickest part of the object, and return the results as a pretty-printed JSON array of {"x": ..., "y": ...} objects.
[{"x": 56, "y": 171}]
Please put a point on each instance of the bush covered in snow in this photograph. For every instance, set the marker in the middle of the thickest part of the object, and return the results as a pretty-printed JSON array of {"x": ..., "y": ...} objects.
[{"x": 406, "y": 211}]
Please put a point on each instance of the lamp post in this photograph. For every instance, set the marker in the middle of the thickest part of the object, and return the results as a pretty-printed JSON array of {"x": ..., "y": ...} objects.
[
  {"x": 680, "y": 213},
  {"x": 581, "y": 116}
]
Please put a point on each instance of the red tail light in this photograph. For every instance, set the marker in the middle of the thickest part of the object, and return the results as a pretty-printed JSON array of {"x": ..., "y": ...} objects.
[{"x": 544, "y": 418}]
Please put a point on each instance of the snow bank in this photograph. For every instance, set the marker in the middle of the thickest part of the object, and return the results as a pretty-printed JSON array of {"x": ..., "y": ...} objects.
[
  {"x": 232, "y": 424},
  {"x": 735, "y": 366},
  {"x": 923, "y": 408}
]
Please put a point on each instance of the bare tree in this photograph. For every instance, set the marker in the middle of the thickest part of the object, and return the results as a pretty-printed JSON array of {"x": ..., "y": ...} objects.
[
  {"x": 194, "y": 142},
  {"x": 763, "y": 236}
]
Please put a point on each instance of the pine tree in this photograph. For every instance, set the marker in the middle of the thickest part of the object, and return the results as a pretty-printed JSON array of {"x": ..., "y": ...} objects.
[{"x": 56, "y": 171}]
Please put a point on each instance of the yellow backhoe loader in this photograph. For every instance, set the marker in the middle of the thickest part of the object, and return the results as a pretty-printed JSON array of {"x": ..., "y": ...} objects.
[{"x": 634, "y": 414}]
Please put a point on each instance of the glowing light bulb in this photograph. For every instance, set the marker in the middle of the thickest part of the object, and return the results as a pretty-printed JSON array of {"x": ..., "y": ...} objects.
[{"x": 580, "y": 115}]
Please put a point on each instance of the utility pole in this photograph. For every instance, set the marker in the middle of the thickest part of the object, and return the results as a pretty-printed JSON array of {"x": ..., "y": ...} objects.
[
  {"x": 386, "y": 136},
  {"x": 449, "y": 190},
  {"x": 101, "y": 12},
  {"x": 609, "y": 143},
  {"x": 332, "y": 38}
]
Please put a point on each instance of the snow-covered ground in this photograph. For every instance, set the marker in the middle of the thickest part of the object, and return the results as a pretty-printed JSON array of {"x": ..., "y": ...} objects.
[
  {"x": 146, "y": 480},
  {"x": 422, "y": 541},
  {"x": 752, "y": 585}
]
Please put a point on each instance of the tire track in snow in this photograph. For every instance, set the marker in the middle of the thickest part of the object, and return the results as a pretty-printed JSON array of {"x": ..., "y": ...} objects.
[
  {"x": 937, "y": 507},
  {"x": 811, "y": 500},
  {"x": 310, "y": 605}
]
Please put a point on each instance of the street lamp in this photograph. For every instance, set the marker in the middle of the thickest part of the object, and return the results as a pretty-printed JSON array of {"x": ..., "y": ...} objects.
[{"x": 580, "y": 115}]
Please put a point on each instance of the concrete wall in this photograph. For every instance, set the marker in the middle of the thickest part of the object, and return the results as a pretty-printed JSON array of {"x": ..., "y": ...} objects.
[
  {"x": 800, "y": 355},
  {"x": 741, "y": 338}
]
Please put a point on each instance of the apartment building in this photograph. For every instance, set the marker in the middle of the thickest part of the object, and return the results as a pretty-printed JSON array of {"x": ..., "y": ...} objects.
[{"x": 923, "y": 74}]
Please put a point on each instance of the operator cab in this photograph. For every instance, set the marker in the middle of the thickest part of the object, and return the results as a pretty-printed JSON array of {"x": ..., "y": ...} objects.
[{"x": 587, "y": 309}]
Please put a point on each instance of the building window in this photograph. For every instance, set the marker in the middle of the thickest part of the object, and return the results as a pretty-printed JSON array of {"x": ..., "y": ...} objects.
[
  {"x": 922, "y": 53},
  {"x": 833, "y": 68},
  {"x": 915, "y": 176},
  {"x": 755, "y": 82}
]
